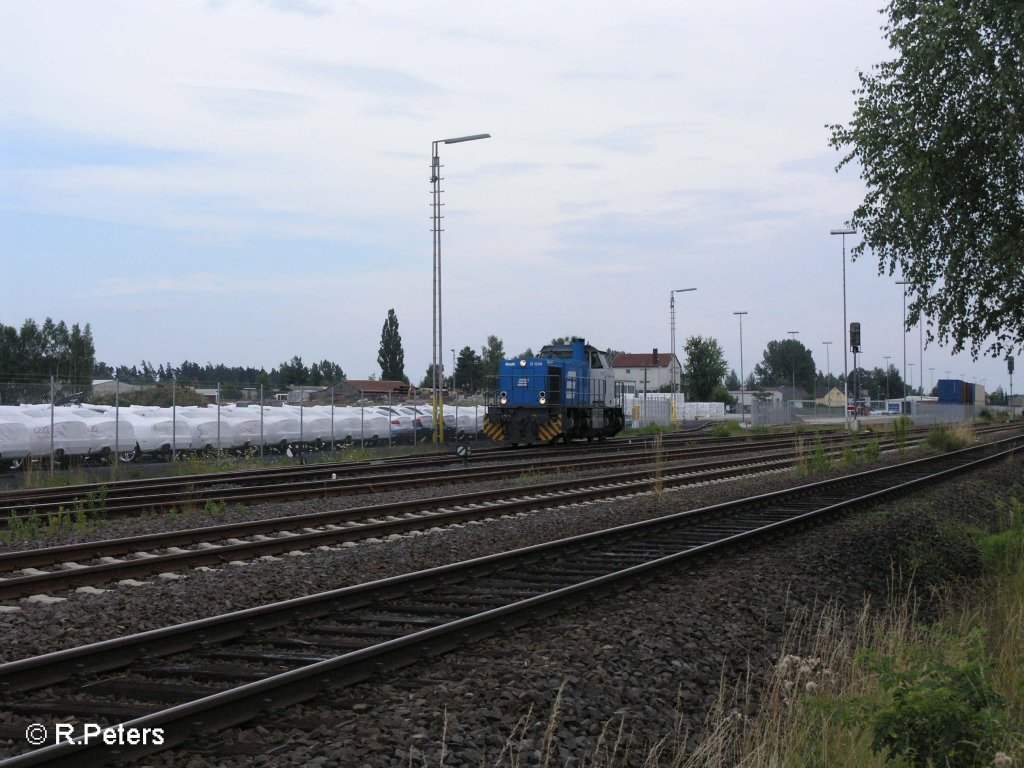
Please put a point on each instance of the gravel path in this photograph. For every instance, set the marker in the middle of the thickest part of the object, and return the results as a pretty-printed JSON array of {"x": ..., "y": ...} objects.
[{"x": 649, "y": 659}]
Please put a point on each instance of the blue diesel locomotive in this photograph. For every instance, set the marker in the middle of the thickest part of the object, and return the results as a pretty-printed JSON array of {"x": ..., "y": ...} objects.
[{"x": 567, "y": 391}]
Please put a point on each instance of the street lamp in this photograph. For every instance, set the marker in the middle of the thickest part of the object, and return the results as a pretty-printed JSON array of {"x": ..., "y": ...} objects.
[
  {"x": 453, "y": 367},
  {"x": 911, "y": 366},
  {"x": 887, "y": 366},
  {"x": 904, "y": 283},
  {"x": 438, "y": 363},
  {"x": 931, "y": 381},
  {"x": 672, "y": 325},
  {"x": 743, "y": 413},
  {"x": 793, "y": 393},
  {"x": 846, "y": 371},
  {"x": 828, "y": 366}
]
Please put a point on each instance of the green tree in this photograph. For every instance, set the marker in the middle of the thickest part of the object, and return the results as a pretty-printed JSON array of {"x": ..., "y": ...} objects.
[
  {"x": 293, "y": 372},
  {"x": 468, "y": 376},
  {"x": 491, "y": 356},
  {"x": 779, "y": 361},
  {"x": 326, "y": 373},
  {"x": 391, "y": 357},
  {"x": 48, "y": 350},
  {"x": 721, "y": 395},
  {"x": 428, "y": 378},
  {"x": 705, "y": 367},
  {"x": 732, "y": 381},
  {"x": 938, "y": 135}
]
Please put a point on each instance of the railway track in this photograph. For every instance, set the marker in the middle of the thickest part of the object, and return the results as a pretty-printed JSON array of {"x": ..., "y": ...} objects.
[
  {"x": 37, "y": 572},
  {"x": 133, "y": 497},
  {"x": 77, "y": 566},
  {"x": 225, "y": 670},
  {"x": 348, "y": 478}
]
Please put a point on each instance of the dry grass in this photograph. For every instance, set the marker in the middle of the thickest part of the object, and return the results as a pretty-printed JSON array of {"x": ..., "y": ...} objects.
[{"x": 658, "y": 481}]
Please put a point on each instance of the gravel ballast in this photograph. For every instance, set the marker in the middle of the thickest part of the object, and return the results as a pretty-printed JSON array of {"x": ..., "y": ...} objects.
[{"x": 651, "y": 658}]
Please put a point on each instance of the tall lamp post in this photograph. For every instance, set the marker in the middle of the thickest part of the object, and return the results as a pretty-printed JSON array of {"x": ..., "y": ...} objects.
[
  {"x": 828, "y": 365},
  {"x": 437, "y": 359},
  {"x": 828, "y": 379},
  {"x": 887, "y": 366},
  {"x": 904, "y": 283},
  {"x": 794, "y": 335},
  {"x": 672, "y": 327},
  {"x": 846, "y": 371},
  {"x": 743, "y": 413}
]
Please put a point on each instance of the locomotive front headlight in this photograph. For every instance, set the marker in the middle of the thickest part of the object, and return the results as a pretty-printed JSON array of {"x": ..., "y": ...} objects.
[
  {"x": 522, "y": 363},
  {"x": 503, "y": 398},
  {"x": 543, "y": 398}
]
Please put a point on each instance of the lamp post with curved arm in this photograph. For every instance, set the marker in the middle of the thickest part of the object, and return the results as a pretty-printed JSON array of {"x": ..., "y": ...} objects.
[
  {"x": 672, "y": 323},
  {"x": 437, "y": 359}
]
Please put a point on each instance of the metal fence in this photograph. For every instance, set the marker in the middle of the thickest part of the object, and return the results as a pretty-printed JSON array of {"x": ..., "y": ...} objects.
[
  {"x": 664, "y": 409},
  {"x": 921, "y": 412},
  {"x": 771, "y": 414},
  {"x": 61, "y": 423}
]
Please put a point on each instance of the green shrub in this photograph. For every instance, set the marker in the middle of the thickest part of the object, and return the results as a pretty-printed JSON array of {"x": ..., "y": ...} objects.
[
  {"x": 850, "y": 457},
  {"x": 871, "y": 451},
  {"x": 726, "y": 429},
  {"x": 900, "y": 427},
  {"x": 939, "y": 713},
  {"x": 1004, "y": 552},
  {"x": 943, "y": 439},
  {"x": 215, "y": 509},
  {"x": 818, "y": 460}
]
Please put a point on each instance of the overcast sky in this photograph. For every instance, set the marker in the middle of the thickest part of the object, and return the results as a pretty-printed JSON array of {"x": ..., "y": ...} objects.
[{"x": 241, "y": 181}]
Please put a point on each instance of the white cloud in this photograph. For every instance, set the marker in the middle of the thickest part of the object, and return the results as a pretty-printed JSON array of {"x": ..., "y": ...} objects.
[{"x": 287, "y": 142}]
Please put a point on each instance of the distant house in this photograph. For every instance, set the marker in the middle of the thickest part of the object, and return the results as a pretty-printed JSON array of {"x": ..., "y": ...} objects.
[
  {"x": 834, "y": 398},
  {"x": 110, "y": 386},
  {"x": 302, "y": 394},
  {"x": 640, "y": 372},
  {"x": 746, "y": 397},
  {"x": 210, "y": 393},
  {"x": 373, "y": 390}
]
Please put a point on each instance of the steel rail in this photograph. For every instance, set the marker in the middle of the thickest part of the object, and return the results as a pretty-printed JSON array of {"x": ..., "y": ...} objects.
[
  {"x": 126, "y": 500},
  {"x": 21, "y": 499},
  {"x": 433, "y": 513},
  {"x": 75, "y": 569},
  {"x": 241, "y": 703}
]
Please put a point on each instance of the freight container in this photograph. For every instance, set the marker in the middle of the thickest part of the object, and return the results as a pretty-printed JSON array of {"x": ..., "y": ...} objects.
[{"x": 955, "y": 391}]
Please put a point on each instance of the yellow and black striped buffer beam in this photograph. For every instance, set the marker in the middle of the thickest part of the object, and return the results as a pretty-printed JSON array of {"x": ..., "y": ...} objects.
[
  {"x": 551, "y": 430},
  {"x": 494, "y": 430}
]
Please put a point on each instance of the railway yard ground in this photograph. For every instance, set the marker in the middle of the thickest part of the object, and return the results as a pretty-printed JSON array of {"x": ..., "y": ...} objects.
[{"x": 602, "y": 682}]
